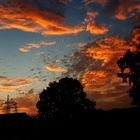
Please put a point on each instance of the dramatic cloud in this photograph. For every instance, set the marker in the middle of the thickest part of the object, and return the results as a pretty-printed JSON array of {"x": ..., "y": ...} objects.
[
  {"x": 28, "y": 16},
  {"x": 97, "y": 29},
  {"x": 96, "y": 67},
  {"x": 28, "y": 47},
  {"x": 11, "y": 84},
  {"x": 63, "y": 30},
  {"x": 54, "y": 68},
  {"x": 92, "y": 26},
  {"x": 127, "y": 9},
  {"x": 135, "y": 35},
  {"x": 120, "y": 9},
  {"x": 107, "y": 51},
  {"x": 94, "y": 64}
]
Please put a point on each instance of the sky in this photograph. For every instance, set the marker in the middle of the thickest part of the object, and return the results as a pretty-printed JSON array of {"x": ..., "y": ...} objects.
[{"x": 44, "y": 40}]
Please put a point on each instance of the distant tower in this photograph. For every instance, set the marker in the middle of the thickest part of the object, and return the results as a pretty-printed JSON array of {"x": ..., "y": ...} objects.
[
  {"x": 10, "y": 104},
  {"x": 7, "y": 105}
]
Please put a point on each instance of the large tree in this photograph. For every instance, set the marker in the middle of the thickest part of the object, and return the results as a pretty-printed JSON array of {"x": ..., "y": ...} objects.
[
  {"x": 130, "y": 72},
  {"x": 64, "y": 99}
]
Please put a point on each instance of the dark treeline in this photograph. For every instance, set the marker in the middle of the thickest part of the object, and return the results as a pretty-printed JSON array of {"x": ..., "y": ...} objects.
[
  {"x": 63, "y": 108},
  {"x": 117, "y": 123}
]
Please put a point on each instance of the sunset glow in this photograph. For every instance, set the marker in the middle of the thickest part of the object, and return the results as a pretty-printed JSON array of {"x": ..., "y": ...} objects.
[{"x": 42, "y": 41}]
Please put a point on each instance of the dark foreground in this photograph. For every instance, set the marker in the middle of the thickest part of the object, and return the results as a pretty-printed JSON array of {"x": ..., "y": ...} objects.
[{"x": 110, "y": 124}]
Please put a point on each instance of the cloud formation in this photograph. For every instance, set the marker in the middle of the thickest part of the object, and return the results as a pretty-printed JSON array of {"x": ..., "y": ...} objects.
[
  {"x": 97, "y": 29},
  {"x": 119, "y": 9},
  {"x": 96, "y": 67},
  {"x": 107, "y": 51},
  {"x": 28, "y": 47},
  {"x": 135, "y": 35},
  {"x": 93, "y": 26},
  {"x": 27, "y": 103},
  {"x": 8, "y": 84},
  {"x": 55, "y": 68},
  {"x": 28, "y": 16},
  {"x": 127, "y": 9}
]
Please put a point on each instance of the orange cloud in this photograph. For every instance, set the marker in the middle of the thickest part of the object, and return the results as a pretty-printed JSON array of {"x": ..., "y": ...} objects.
[
  {"x": 63, "y": 30},
  {"x": 3, "y": 79},
  {"x": 11, "y": 87},
  {"x": 97, "y": 29},
  {"x": 104, "y": 79},
  {"x": 27, "y": 103},
  {"x": 127, "y": 9},
  {"x": 27, "y": 17},
  {"x": 135, "y": 35},
  {"x": 107, "y": 48},
  {"x": 10, "y": 84},
  {"x": 121, "y": 10},
  {"x": 54, "y": 68},
  {"x": 95, "y": 65},
  {"x": 93, "y": 80},
  {"x": 92, "y": 26},
  {"x": 28, "y": 47}
]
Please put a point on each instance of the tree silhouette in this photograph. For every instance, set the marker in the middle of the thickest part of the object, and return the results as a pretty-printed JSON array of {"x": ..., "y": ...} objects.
[
  {"x": 64, "y": 99},
  {"x": 130, "y": 72}
]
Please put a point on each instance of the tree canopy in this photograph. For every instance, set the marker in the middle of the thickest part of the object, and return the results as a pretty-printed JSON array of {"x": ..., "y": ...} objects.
[
  {"x": 130, "y": 72},
  {"x": 64, "y": 99}
]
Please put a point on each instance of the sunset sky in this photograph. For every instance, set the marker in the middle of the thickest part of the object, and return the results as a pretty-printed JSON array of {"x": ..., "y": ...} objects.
[{"x": 44, "y": 40}]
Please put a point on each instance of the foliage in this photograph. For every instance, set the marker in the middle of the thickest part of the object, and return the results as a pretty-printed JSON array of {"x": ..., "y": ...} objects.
[
  {"x": 64, "y": 99},
  {"x": 130, "y": 72}
]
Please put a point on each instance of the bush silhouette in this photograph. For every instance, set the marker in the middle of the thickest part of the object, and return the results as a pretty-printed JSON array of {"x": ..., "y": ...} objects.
[
  {"x": 64, "y": 100},
  {"x": 131, "y": 62}
]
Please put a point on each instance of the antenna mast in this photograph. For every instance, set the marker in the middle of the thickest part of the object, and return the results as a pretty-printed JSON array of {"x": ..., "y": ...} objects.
[{"x": 8, "y": 105}]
